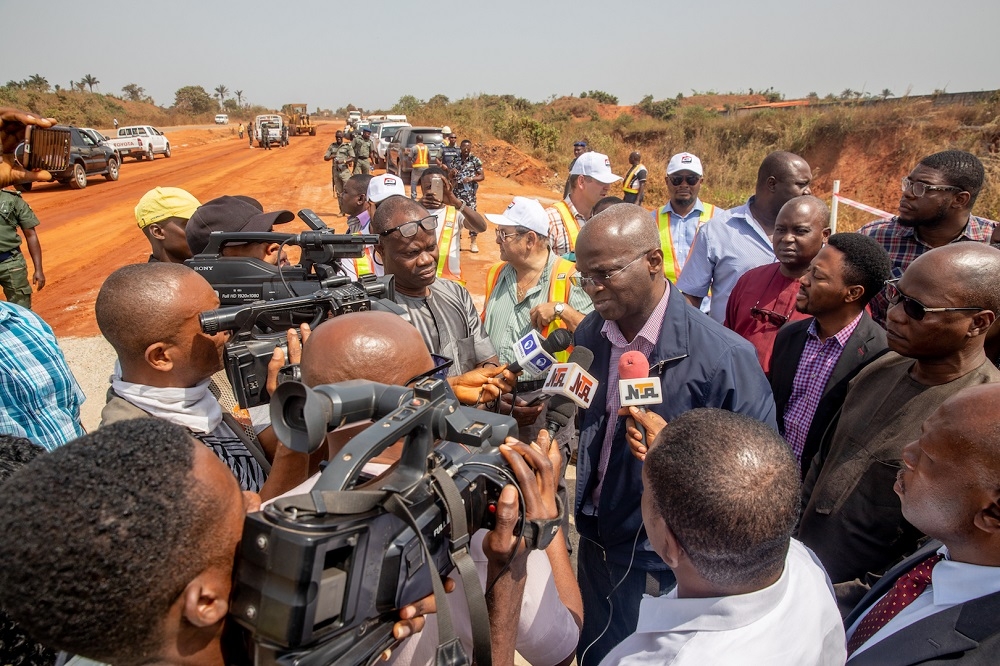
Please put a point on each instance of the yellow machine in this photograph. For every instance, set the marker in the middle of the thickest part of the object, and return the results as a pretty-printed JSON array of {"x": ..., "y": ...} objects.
[{"x": 299, "y": 120}]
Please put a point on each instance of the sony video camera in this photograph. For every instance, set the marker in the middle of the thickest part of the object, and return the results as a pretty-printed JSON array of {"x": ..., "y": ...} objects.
[
  {"x": 321, "y": 575},
  {"x": 240, "y": 280},
  {"x": 257, "y": 328}
]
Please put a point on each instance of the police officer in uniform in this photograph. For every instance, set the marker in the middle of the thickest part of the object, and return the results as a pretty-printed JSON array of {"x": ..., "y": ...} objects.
[
  {"x": 339, "y": 152},
  {"x": 361, "y": 151},
  {"x": 15, "y": 213},
  {"x": 449, "y": 153}
]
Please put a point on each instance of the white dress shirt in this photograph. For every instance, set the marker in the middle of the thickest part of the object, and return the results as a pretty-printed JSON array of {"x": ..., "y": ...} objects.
[
  {"x": 794, "y": 621},
  {"x": 952, "y": 583}
]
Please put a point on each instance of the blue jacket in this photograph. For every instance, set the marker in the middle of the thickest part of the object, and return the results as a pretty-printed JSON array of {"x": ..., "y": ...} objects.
[{"x": 700, "y": 364}]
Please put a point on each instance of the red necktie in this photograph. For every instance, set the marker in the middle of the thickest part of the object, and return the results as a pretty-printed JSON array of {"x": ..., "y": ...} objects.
[{"x": 904, "y": 591}]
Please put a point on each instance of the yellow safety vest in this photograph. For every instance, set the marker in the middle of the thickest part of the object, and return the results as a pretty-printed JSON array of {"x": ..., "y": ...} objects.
[
  {"x": 361, "y": 265},
  {"x": 628, "y": 184},
  {"x": 444, "y": 247},
  {"x": 558, "y": 293},
  {"x": 570, "y": 222},
  {"x": 672, "y": 267},
  {"x": 420, "y": 161}
]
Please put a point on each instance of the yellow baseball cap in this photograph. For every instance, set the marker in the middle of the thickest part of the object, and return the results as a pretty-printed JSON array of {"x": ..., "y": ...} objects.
[{"x": 161, "y": 203}]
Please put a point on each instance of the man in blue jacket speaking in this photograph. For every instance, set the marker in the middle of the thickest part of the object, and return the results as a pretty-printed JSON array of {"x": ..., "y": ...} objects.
[{"x": 699, "y": 363}]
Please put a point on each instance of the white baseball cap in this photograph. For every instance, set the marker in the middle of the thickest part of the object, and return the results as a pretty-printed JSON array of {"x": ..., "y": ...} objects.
[
  {"x": 382, "y": 187},
  {"x": 684, "y": 162},
  {"x": 596, "y": 166},
  {"x": 523, "y": 212}
]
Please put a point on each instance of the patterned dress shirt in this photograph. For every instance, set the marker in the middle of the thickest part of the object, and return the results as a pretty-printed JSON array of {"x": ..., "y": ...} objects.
[
  {"x": 903, "y": 247},
  {"x": 815, "y": 367}
]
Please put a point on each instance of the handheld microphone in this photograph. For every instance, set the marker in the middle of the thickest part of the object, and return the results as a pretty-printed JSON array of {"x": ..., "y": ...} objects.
[
  {"x": 561, "y": 382},
  {"x": 635, "y": 386},
  {"x": 534, "y": 352}
]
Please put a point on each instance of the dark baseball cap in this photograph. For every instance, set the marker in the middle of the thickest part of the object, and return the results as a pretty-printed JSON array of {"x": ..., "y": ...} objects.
[
  {"x": 582, "y": 144},
  {"x": 229, "y": 214}
]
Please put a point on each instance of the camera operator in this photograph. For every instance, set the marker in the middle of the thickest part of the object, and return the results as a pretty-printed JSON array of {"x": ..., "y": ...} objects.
[
  {"x": 236, "y": 214},
  {"x": 545, "y": 625},
  {"x": 149, "y": 314}
]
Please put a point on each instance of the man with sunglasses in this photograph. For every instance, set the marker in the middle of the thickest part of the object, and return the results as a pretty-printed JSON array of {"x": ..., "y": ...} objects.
[
  {"x": 763, "y": 300},
  {"x": 590, "y": 178},
  {"x": 680, "y": 219},
  {"x": 739, "y": 239},
  {"x": 442, "y": 310},
  {"x": 700, "y": 364},
  {"x": 935, "y": 209},
  {"x": 939, "y": 313}
]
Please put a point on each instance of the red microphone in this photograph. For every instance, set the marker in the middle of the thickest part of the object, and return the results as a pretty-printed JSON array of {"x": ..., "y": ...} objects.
[{"x": 635, "y": 387}]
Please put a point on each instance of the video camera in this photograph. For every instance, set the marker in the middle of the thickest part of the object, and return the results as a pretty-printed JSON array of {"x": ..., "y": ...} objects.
[
  {"x": 257, "y": 328},
  {"x": 321, "y": 575},
  {"x": 241, "y": 280}
]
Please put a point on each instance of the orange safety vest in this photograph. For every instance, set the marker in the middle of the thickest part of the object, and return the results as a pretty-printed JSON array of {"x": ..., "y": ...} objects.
[
  {"x": 444, "y": 248},
  {"x": 558, "y": 293},
  {"x": 420, "y": 161},
  {"x": 570, "y": 222},
  {"x": 628, "y": 184},
  {"x": 673, "y": 268}
]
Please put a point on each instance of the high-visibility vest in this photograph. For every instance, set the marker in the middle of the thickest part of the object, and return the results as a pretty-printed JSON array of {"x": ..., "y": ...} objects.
[
  {"x": 362, "y": 266},
  {"x": 445, "y": 269},
  {"x": 629, "y": 184},
  {"x": 420, "y": 161},
  {"x": 671, "y": 266},
  {"x": 558, "y": 293},
  {"x": 570, "y": 222}
]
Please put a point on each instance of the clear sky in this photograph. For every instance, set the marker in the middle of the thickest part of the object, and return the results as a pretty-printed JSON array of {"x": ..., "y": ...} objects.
[{"x": 330, "y": 53}]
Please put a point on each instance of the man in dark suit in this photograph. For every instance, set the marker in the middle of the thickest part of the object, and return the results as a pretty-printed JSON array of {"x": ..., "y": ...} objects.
[
  {"x": 814, "y": 359},
  {"x": 947, "y": 487},
  {"x": 939, "y": 313}
]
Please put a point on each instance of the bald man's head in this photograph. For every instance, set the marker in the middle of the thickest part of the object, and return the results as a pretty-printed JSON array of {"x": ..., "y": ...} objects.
[
  {"x": 627, "y": 224},
  {"x": 394, "y": 206},
  {"x": 136, "y": 306},
  {"x": 968, "y": 270},
  {"x": 377, "y": 346}
]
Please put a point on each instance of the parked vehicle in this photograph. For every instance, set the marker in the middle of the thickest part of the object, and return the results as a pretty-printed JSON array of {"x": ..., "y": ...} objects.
[
  {"x": 120, "y": 146},
  {"x": 221, "y": 119},
  {"x": 267, "y": 127},
  {"x": 353, "y": 118},
  {"x": 87, "y": 157},
  {"x": 397, "y": 160},
  {"x": 153, "y": 140},
  {"x": 382, "y": 133}
]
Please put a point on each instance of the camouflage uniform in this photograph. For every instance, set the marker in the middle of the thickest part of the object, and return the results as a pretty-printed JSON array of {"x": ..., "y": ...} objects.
[
  {"x": 340, "y": 154},
  {"x": 361, "y": 151},
  {"x": 14, "y": 213}
]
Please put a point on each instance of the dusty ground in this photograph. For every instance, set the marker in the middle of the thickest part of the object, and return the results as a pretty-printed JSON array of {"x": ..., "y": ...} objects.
[{"x": 87, "y": 234}]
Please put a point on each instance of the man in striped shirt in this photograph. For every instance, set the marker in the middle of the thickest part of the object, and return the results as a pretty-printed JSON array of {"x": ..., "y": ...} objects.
[{"x": 39, "y": 397}]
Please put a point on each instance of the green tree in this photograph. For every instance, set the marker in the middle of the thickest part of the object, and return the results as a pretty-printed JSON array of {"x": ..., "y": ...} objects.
[
  {"x": 38, "y": 82},
  {"x": 221, "y": 91},
  {"x": 407, "y": 104},
  {"x": 193, "y": 99},
  {"x": 231, "y": 105},
  {"x": 239, "y": 97},
  {"x": 134, "y": 92},
  {"x": 601, "y": 96},
  {"x": 846, "y": 93},
  {"x": 437, "y": 100},
  {"x": 662, "y": 109},
  {"x": 90, "y": 81},
  {"x": 886, "y": 93}
]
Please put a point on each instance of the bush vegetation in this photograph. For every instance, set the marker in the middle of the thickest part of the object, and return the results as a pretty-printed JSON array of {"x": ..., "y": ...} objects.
[{"x": 869, "y": 148}]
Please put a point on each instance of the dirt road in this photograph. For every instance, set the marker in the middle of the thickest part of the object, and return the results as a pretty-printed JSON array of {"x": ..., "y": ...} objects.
[{"x": 87, "y": 234}]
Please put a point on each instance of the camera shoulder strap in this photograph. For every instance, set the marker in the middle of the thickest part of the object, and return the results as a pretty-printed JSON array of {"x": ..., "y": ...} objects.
[
  {"x": 450, "y": 651},
  {"x": 474, "y": 596}
]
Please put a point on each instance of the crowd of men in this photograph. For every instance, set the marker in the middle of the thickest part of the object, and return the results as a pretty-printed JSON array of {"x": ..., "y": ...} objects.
[{"x": 818, "y": 484}]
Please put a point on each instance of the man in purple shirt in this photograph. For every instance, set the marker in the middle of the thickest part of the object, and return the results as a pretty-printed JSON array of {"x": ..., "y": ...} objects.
[{"x": 814, "y": 359}]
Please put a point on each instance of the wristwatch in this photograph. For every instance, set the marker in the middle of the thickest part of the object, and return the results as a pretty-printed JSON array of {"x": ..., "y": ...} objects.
[{"x": 559, "y": 310}]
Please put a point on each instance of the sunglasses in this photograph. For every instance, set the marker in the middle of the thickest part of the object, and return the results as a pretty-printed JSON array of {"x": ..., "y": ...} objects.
[
  {"x": 503, "y": 236},
  {"x": 768, "y": 316},
  {"x": 439, "y": 371},
  {"x": 691, "y": 180},
  {"x": 913, "y": 308},
  {"x": 409, "y": 229}
]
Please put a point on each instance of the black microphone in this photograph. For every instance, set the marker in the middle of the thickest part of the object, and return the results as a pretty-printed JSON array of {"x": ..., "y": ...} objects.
[
  {"x": 561, "y": 409},
  {"x": 557, "y": 341}
]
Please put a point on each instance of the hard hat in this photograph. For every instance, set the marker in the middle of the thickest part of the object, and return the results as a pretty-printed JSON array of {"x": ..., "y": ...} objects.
[{"x": 446, "y": 130}]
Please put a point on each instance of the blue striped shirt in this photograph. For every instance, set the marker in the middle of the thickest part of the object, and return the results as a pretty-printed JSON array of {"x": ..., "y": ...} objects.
[{"x": 39, "y": 397}]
